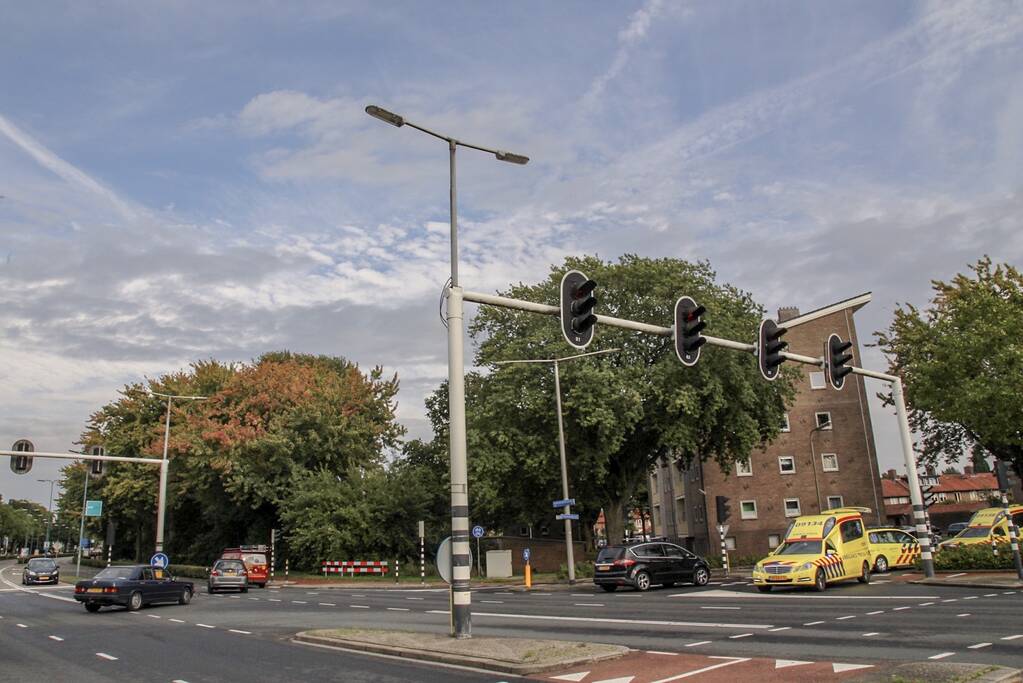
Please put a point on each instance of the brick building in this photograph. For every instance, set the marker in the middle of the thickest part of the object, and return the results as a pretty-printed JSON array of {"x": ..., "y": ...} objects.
[
  {"x": 824, "y": 457},
  {"x": 956, "y": 496}
]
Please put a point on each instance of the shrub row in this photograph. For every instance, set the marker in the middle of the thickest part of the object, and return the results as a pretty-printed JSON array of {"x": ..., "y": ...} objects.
[{"x": 974, "y": 556}]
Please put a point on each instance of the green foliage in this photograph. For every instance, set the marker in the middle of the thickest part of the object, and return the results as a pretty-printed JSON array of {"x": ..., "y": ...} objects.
[
  {"x": 734, "y": 561},
  {"x": 961, "y": 361},
  {"x": 622, "y": 411},
  {"x": 583, "y": 570},
  {"x": 974, "y": 556},
  {"x": 21, "y": 519}
]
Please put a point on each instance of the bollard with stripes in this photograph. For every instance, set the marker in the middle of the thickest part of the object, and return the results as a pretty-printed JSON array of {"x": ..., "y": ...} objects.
[
  {"x": 110, "y": 554},
  {"x": 722, "y": 530},
  {"x": 396, "y": 568},
  {"x": 422, "y": 553},
  {"x": 285, "y": 570}
]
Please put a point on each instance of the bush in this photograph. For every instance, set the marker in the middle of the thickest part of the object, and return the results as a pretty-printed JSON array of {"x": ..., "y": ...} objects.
[
  {"x": 583, "y": 570},
  {"x": 974, "y": 556},
  {"x": 178, "y": 570}
]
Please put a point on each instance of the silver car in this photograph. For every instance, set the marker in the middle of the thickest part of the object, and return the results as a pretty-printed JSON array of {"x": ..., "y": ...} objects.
[{"x": 229, "y": 574}]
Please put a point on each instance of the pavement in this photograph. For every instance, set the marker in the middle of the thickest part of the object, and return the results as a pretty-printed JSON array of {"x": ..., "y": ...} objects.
[
  {"x": 976, "y": 579},
  {"x": 850, "y": 632}
]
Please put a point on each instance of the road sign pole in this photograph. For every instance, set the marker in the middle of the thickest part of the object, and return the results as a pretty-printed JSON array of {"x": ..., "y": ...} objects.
[
  {"x": 81, "y": 528},
  {"x": 569, "y": 554},
  {"x": 915, "y": 496}
]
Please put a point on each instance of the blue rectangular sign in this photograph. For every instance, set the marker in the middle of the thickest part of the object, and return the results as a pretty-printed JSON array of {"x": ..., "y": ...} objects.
[
  {"x": 563, "y": 503},
  {"x": 571, "y": 516},
  {"x": 94, "y": 508}
]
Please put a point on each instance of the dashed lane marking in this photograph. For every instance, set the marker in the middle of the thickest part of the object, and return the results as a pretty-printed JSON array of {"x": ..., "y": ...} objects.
[
  {"x": 274, "y": 599},
  {"x": 253, "y": 598},
  {"x": 327, "y": 604},
  {"x": 733, "y": 660},
  {"x": 397, "y": 609},
  {"x": 740, "y": 635},
  {"x": 1015, "y": 637},
  {"x": 871, "y": 633},
  {"x": 424, "y": 598},
  {"x": 1009, "y": 593},
  {"x": 299, "y": 602},
  {"x": 877, "y": 611},
  {"x": 711, "y": 607},
  {"x": 21, "y": 625},
  {"x": 951, "y": 600},
  {"x": 658, "y": 652},
  {"x": 926, "y": 604},
  {"x": 780, "y": 628},
  {"x": 941, "y": 655},
  {"x": 153, "y": 616},
  {"x": 610, "y": 620},
  {"x": 205, "y": 626},
  {"x": 580, "y": 595},
  {"x": 588, "y": 604},
  {"x": 896, "y": 609},
  {"x": 493, "y": 602},
  {"x": 978, "y": 646},
  {"x": 177, "y": 621},
  {"x": 990, "y": 595},
  {"x": 244, "y": 633},
  {"x": 813, "y": 623},
  {"x": 952, "y": 576},
  {"x": 965, "y": 614},
  {"x": 699, "y": 642},
  {"x": 971, "y": 597},
  {"x": 104, "y": 655},
  {"x": 848, "y": 616},
  {"x": 57, "y": 638},
  {"x": 359, "y": 606}
]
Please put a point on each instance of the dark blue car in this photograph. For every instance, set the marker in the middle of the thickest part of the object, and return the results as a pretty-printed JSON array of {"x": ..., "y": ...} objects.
[{"x": 132, "y": 587}]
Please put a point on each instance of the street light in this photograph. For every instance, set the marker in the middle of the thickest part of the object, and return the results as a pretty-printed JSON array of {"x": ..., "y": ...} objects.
[
  {"x": 570, "y": 555},
  {"x": 49, "y": 509},
  {"x": 161, "y": 502},
  {"x": 461, "y": 601}
]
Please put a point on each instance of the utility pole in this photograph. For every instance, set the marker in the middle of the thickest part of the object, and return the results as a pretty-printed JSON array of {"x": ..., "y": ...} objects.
[
  {"x": 161, "y": 502},
  {"x": 49, "y": 511}
]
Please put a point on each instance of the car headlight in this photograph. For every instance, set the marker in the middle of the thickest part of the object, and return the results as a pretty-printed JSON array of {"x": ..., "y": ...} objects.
[
  {"x": 806, "y": 565},
  {"x": 758, "y": 568}
]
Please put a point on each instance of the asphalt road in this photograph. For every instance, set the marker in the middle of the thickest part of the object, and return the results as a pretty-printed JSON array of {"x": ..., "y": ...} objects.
[{"x": 887, "y": 621}]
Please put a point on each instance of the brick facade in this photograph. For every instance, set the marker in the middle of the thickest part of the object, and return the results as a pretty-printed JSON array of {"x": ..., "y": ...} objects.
[{"x": 803, "y": 471}]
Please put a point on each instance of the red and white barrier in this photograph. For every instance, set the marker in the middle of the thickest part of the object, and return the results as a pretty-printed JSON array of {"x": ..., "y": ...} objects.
[{"x": 355, "y": 567}]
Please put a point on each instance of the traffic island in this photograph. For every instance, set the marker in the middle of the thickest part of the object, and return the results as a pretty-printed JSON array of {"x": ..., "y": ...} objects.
[
  {"x": 974, "y": 579},
  {"x": 522, "y": 656},
  {"x": 935, "y": 672}
]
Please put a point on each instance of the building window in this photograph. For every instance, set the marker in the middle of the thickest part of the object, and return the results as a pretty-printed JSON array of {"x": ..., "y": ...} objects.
[
  {"x": 743, "y": 469},
  {"x": 748, "y": 509},
  {"x": 823, "y": 420},
  {"x": 680, "y": 509},
  {"x": 729, "y": 542},
  {"x": 785, "y": 426},
  {"x": 545, "y": 531},
  {"x": 773, "y": 541},
  {"x": 817, "y": 380},
  {"x": 835, "y": 502},
  {"x": 829, "y": 462},
  {"x": 787, "y": 464},
  {"x": 792, "y": 507},
  {"x": 524, "y": 531}
]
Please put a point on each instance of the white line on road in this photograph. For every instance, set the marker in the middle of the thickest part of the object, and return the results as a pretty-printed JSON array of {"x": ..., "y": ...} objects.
[
  {"x": 737, "y": 660},
  {"x": 328, "y": 604},
  {"x": 926, "y": 604},
  {"x": 21, "y": 625},
  {"x": 253, "y": 598},
  {"x": 952, "y": 576},
  {"x": 358, "y": 595},
  {"x": 397, "y": 609},
  {"x": 740, "y": 635},
  {"x": 899, "y": 608},
  {"x": 177, "y": 621},
  {"x": 104, "y": 655},
  {"x": 57, "y": 638},
  {"x": 244, "y": 633},
  {"x": 780, "y": 628},
  {"x": 990, "y": 595},
  {"x": 966, "y": 614},
  {"x": 877, "y": 611},
  {"x": 274, "y": 599},
  {"x": 872, "y": 633},
  {"x": 849, "y": 616},
  {"x": 299, "y": 602},
  {"x": 1015, "y": 637},
  {"x": 699, "y": 642},
  {"x": 794, "y": 596},
  {"x": 942, "y": 655},
  {"x": 813, "y": 623},
  {"x": 580, "y": 595},
  {"x": 588, "y": 604},
  {"x": 1009, "y": 593},
  {"x": 707, "y": 607},
  {"x": 658, "y": 652},
  {"x": 205, "y": 626},
  {"x": 424, "y": 598},
  {"x": 359, "y": 606},
  {"x": 608, "y": 620},
  {"x": 493, "y": 602},
  {"x": 154, "y": 616},
  {"x": 950, "y": 600},
  {"x": 970, "y": 597},
  {"x": 978, "y": 646}
]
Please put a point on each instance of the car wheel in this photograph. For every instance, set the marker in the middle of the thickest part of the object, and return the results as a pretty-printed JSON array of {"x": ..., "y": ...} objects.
[
  {"x": 881, "y": 564},
  {"x": 764, "y": 589},
  {"x": 91, "y": 607},
  {"x": 210, "y": 589},
  {"x": 609, "y": 589},
  {"x": 642, "y": 580},
  {"x": 186, "y": 597},
  {"x": 865, "y": 576},
  {"x": 701, "y": 577},
  {"x": 135, "y": 601},
  {"x": 820, "y": 582}
]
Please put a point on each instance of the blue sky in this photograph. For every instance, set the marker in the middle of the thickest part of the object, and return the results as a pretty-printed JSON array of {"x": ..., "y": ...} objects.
[{"x": 183, "y": 180}]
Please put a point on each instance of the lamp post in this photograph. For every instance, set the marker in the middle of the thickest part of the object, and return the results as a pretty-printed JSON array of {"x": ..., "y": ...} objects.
[
  {"x": 461, "y": 603},
  {"x": 49, "y": 510},
  {"x": 161, "y": 502},
  {"x": 569, "y": 553},
  {"x": 813, "y": 463}
]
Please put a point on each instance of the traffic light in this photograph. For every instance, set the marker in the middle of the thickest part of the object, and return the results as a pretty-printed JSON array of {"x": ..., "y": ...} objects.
[
  {"x": 835, "y": 359},
  {"x": 724, "y": 510},
  {"x": 21, "y": 464},
  {"x": 688, "y": 325},
  {"x": 577, "y": 302},
  {"x": 96, "y": 466},
  {"x": 769, "y": 348}
]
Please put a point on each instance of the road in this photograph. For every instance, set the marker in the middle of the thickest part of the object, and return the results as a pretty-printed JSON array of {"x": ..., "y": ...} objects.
[{"x": 227, "y": 637}]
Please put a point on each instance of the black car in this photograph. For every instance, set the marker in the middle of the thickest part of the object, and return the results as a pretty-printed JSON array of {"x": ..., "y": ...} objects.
[
  {"x": 40, "y": 570},
  {"x": 132, "y": 587},
  {"x": 646, "y": 564}
]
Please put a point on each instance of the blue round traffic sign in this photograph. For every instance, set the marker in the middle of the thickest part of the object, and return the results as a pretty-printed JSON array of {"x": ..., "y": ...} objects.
[
  {"x": 477, "y": 531},
  {"x": 159, "y": 560},
  {"x": 525, "y": 554}
]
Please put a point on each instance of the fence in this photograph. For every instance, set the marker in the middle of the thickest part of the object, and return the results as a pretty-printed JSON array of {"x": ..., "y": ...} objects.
[{"x": 353, "y": 567}]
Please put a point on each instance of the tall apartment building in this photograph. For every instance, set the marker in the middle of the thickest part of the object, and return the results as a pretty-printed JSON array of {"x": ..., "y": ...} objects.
[{"x": 824, "y": 457}]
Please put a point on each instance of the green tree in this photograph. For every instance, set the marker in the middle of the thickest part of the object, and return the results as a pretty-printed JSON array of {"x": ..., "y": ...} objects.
[
  {"x": 961, "y": 361},
  {"x": 980, "y": 463},
  {"x": 623, "y": 411}
]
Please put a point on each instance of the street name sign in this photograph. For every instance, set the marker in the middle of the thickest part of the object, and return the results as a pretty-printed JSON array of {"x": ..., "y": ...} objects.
[
  {"x": 569, "y": 516},
  {"x": 563, "y": 503}
]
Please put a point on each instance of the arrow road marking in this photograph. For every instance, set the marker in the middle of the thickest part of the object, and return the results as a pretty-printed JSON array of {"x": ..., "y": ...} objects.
[
  {"x": 838, "y": 667},
  {"x": 786, "y": 663},
  {"x": 576, "y": 677},
  {"x": 737, "y": 660}
]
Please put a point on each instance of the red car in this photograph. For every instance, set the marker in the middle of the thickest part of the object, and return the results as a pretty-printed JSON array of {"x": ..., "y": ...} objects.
[{"x": 254, "y": 557}]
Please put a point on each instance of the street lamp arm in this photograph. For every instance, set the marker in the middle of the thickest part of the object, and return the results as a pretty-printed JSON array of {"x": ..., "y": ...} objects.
[{"x": 187, "y": 398}]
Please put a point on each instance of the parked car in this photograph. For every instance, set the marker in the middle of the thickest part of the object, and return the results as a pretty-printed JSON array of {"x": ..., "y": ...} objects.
[
  {"x": 646, "y": 564},
  {"x": 990, "y": 525},
  {"x": 40, "y": 570},
  {"x": 891, "y": 548},
  {"x": 227, "y": 574},
  {"x": 955, "y": 527},
  {"x": 132, "y": 586}
]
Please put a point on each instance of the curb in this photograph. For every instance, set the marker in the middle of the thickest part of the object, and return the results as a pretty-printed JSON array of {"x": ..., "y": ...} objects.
[
  {"x": 964, "y": 584},
  {"x": 501, "y": 666}
]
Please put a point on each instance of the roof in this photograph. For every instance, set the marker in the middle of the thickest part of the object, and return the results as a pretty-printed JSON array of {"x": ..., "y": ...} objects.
[
  {"x": 893, "y": 488},
  {"x": 985, "y": 481},
  {"x": 855, "y": 303}
]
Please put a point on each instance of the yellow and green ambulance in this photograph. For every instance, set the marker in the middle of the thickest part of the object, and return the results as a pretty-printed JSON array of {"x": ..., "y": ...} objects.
[{"x": 818, "y": 550}]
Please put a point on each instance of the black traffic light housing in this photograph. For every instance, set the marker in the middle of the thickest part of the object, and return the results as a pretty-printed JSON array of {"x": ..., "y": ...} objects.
[
  {"x": 835, "y": 359},
  {"x": 96, "y": 466},
  {"x": 769, "y": 348},
  {"x": 724, "y": 510},
  {"x": 577, "y": 302},
  {"x": 21, "y": 464},
  {"x": 688, "y": 325}
]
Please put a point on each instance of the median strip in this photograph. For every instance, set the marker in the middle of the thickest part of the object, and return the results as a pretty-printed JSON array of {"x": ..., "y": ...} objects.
[{"x": 610, "y": 620}]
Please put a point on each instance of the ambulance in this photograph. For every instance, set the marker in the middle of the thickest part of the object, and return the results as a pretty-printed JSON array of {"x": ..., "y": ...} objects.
[
  {"x": 990, "y": 525},
  {"x": 818, "y": 550}
]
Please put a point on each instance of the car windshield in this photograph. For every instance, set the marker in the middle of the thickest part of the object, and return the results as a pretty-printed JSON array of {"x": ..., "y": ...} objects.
[
  {"x": 230, "y": 564},
  {"x": 975, "y": 532},
  {"x": 610, "y": 554},
  {"x": 254, "y": 559},
  {"x": 799, "y": 548},
  {"x": 116, "y": 573},
  {"x": 42, "y": 565}
]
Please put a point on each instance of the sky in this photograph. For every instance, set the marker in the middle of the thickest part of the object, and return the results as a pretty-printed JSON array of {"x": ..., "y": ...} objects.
[{"x": 187, "y": 180}]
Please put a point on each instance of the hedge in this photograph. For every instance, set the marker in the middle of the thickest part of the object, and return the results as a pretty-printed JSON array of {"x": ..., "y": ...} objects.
[{"x": 974, "y": 556}]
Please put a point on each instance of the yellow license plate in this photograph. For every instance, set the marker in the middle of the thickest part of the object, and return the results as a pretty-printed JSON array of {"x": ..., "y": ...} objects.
[
  {"x": 95, "y": 590},
  {"x": 777, "y": 578},
  {"x": 603, "y": 567},
  {"x": 44, "y": 578}
]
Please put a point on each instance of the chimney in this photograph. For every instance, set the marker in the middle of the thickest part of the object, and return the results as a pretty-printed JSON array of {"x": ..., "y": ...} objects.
[
  {"x": 787, "y": 313},
  {"x": 931, "y": 472},
  {"x": 890, "y": 474},
  {"x": 968, "y": 470}
]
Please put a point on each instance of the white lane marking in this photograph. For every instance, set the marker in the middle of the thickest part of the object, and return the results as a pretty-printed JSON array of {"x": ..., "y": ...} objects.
[
  {"x": 177, "y": 621},
  {"x": 397, "y": 609},
  {"x": 879, "y": 611},
  {"x": 707, "y": 607},
  {"x": 274, "y": 599},
  {"x": 179, "y": 680},
  {"x": 1009, "y": 593},
  {"x": 990, "y": 595},
  {"x": 849, "y": 616},
  {"x": 952, "y": 576},
  {"x": 244, "y": 633},
  {"x": 966, "y": 614},
  {"x": 795, "y": 596},
  {"x": 104, "y": 655},
  {"x": 881, "y": 581},
  {"x": 950, "y": 600},
  {"x": 839, "y": 667},
  {"x": 978, "y": 646},
  {"x": 359, "y": 606},
  {"x": 1015, "y": 637},
  {"x": 813, "y": 623},
  {"x": 358, "y": 595},
  {"x": 493, "y": 602},
  {"x": 153, "y": 616},
  {"x": 328, "y": 604},
  {"x": 235, "y": 597},
  {"x": 580, "y": 595},
  {"x": 57, "y": 638},
  {"x": 786, "y": 663},
  {"x": 868, "y": 634},
  {"x": 740, "y": 635},
  {"x": 205, "y": 626},
  {"x": 780, "y": 628},
  {"x": 658, "y": 652},
  {"x": 699, "y": 642},
  {"x": 21, "y": 625},
  {"x": 299, "y": 602},
  {"x": 941, "y": 655},
  {"x": 312, "y": 593},
  {"x": 899, "y": 608},
  {"x": 971, "y": 597},
  {"x": 588, "y": 604},
  {"x": 424, "y": 598},
  {"x": 608, "y": 620},
  {"x": 253, "y": 598},
  {"x": 503, "y": 593},
  {"x": 737, "y": 660},
  {"x": 926, "y": 604}
]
